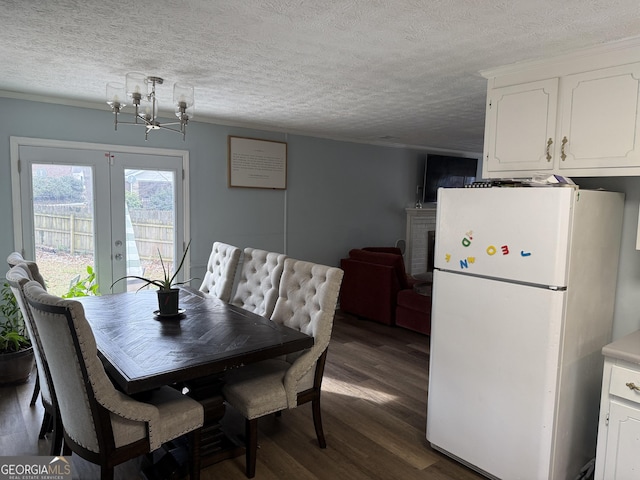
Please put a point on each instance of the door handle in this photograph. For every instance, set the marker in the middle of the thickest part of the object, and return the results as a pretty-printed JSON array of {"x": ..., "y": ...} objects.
[
  {"x": 118, "y": 256},
  {"x": 563, "y": 155},
  {"x": 633, "y": 386}
]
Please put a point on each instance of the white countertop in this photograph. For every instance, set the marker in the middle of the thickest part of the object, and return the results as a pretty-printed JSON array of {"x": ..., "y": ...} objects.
[{"x": 626, "y": 348}]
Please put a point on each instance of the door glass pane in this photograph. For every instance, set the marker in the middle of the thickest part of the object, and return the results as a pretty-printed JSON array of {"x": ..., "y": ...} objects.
[
  {"x": 63, "y": 220},
  {"x": 150, "y": 223}
]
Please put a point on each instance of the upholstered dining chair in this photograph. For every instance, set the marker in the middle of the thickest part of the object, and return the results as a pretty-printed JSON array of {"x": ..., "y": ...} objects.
[
  {"x": 102, "y": 424},
  {"x": 257, "y": 289},
  {"x": 17, "y": 277},
  {"x": 14, "y": 259},
  {"x": 221, "y": 271},
  {"x": 307, "y": 301}
]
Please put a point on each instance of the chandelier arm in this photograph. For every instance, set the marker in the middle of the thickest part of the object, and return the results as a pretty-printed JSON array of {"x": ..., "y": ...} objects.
[
  {"x": 164, "y": 127},
  {"x": 151, "y": 126},
  {"x": 124, "y": 122},
  {"x": 146, "y": 122}
]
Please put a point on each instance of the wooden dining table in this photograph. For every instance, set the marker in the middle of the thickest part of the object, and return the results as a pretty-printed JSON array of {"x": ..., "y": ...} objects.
[{"x": 142, "y": 351}]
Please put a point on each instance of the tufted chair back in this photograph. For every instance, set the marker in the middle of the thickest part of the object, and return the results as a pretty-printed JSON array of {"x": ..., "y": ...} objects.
[
  {"x": 16, "y": 258},
  {"x": 221, "y": 271},
  {"x": 17, "y": 277},
  {"x": 102, "y": 424},
  {"x": 259, "y": 281},
  {"x": 307, "y": 302}
]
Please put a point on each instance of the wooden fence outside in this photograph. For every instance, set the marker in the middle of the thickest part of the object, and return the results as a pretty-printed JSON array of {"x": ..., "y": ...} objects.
[{"x": 72, "y": 232}]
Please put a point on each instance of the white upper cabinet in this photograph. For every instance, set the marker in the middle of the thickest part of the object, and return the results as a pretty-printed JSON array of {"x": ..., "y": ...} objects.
[
  {"x": 573, "y": 116},
  {"x": 523, "y": 123},
  {"x": 601, "y": 119}
]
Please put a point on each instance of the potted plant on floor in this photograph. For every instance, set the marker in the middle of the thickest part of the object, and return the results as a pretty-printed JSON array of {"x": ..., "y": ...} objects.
[
  {"x": 16, "y": 352},
  {"x": 168, "y": 294}
]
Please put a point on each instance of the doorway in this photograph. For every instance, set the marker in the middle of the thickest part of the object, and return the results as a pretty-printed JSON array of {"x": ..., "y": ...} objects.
[{"x": 91, "y": 214}]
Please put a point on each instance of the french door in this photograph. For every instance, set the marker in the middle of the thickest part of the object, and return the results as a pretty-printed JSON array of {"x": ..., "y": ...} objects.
[{"x": 114, "y": 209}]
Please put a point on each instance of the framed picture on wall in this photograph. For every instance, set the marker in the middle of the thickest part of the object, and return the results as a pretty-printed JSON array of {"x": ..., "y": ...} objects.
[{"x": 255, "y": 163}]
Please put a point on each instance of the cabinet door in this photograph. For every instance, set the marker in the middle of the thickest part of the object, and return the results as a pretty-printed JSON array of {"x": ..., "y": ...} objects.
[
  {"x": 622, "y": 460},
  {"x": 601, "y": 118},
  {"x": 521, "y": 120}
]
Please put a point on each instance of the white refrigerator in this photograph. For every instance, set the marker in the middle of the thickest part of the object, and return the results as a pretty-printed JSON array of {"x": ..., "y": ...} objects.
[{"x": 523, "y": 297}]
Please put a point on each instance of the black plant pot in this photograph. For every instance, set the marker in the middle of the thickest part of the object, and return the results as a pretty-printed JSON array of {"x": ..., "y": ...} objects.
[
  {"x": 168, "y": 301},
  {"x": 16, "y": 367}
]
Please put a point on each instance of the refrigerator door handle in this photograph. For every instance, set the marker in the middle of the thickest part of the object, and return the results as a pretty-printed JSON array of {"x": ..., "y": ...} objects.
[{"x": 555, "y": 288}]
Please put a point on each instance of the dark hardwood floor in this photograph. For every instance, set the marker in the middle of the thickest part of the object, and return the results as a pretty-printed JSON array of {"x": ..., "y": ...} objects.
[{"x": 374, "y": 416}]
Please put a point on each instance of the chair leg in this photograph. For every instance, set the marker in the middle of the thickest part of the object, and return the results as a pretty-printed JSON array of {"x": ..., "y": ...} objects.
[
  {"x": 56, "y": 439},
  {"x": 251, "y": 433},
  {"x": 106, "y": 473},
  {"x": 317, "y": 422},
  {"x": 36, "y": 391},
  {"x": 194, "y": 454},
  {"x": 66, "y": 449},
  {"x": 46, "y": 424}
]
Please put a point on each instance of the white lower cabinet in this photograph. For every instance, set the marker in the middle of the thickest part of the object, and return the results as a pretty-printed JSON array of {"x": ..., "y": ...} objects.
[
  {"x": 618, "y": 451},
  {"x": 622, "y": 459}
]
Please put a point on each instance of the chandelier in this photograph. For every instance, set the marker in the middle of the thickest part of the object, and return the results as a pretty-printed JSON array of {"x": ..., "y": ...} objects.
[{"x": 140, "y": 91}]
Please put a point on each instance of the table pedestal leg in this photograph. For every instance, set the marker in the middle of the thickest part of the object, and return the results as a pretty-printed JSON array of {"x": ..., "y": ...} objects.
[
  {"x": 169, "y": 462},
  {"x": 215, "y": 446}
]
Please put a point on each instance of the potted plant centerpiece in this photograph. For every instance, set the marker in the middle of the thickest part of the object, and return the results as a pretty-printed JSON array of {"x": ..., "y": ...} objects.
[
  {"x": 168, "y": 294},
  {"x": 16, "y": 351}
]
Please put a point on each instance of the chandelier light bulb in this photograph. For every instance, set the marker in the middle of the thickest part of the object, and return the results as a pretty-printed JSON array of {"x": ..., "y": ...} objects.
[
  {"x": 183, "y": 93},
  {"x": 136, "y": 84},
  {"x": 148, "y": 109},
  {"x": 116, "y": 95},
  {"x": 183, "y": 100}
]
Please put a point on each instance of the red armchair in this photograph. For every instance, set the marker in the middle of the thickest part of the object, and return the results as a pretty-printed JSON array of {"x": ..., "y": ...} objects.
[{"x": 375, "y": 286}]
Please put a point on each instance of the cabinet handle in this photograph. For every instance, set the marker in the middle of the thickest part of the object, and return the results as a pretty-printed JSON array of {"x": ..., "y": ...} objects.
[
  {"x": 563, "y": 155},
  {"x": 549, "y": 143},
  {"x": 633, "y": 386}
]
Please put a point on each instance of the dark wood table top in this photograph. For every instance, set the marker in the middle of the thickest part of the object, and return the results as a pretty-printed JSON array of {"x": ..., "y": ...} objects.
[{"x": 141, "y": 351}]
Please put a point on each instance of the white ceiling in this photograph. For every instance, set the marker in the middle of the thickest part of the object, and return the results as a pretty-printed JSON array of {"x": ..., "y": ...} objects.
[{"x": 401, "y": 72}]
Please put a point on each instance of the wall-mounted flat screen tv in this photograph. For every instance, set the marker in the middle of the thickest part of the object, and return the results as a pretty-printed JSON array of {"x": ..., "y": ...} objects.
[{"x": 447, "y": 171}]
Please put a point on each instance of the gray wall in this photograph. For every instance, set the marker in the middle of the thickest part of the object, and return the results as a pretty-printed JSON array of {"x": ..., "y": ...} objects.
[{"x": 340, "y": 195}]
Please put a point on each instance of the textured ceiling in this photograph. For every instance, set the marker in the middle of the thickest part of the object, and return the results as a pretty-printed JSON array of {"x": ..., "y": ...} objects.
[{"x": 401, "y": 72}]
